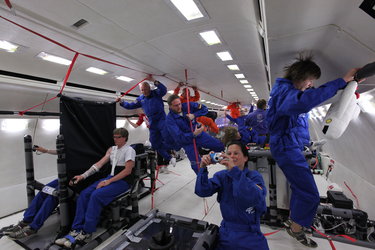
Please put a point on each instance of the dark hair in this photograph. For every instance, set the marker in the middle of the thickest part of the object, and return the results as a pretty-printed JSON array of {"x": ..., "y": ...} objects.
[
  {"x": 230, "y": 134},
  {"x": 243, "y": 148},
  {"x": 302, "y": 69},
  {"x": 261, "y": 104},
  {"x": 171, "y": 98},
  {"x": 121, "y": 131}
]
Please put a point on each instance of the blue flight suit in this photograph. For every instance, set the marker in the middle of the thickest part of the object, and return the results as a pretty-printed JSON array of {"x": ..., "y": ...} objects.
[
  {"x": 303, "y": 129},
  {"x": 257, "y": 121},
  {"x": 285, "y": 105},
  {"x": 153, "y": 107},
  {"x": 242, "y": 203},
  {"x": 41, "y": 208},
  {"x": 91, "y": 202},
  {"x": 178, "y": 128},
  {"x": 247, "y": 134}
]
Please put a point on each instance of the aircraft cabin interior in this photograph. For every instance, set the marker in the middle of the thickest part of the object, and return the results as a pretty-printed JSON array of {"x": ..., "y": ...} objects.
[{"x": 88, "y": 84}]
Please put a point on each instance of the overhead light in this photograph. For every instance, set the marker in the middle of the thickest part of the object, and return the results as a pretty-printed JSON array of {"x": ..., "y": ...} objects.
[
  {"x": 124, "y": 78},
  {"x": 54, "y": 59},
  {"x": 171, "y": 91},
  {"x": 8, "y": 47},
  {"x": 247, "y": 86},
  {"x": 224, "y": 56},
  {"x": 188, "y": 9},
  {"x": 244, "y": 81},
  {"x": 210, "y": 37},
  {"x": 239, "y": 76},
  {"x": 96, "y": 71},
  {"x": 208, "y": 102},
  {"x": 252, "y": 92},
  {"x": 233, "y": 67}
]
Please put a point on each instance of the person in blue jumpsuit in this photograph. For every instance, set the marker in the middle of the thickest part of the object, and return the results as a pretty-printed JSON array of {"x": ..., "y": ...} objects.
[
  {"x": 290, "y": 97},
  {"x": 151, "y": 101},
  {"x": 241, "y": 194},
  {"x": 178, "y": 128},
  {"x": 302, "y": 129},
  {"x": 248, "y": 135},
  {"x": 99, "y": 194},
  {"x": 257, "y": 121},
  {"x": 38, "y": 211}
]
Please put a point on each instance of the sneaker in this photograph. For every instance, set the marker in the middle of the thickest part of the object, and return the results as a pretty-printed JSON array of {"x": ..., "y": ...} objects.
[
  {"x": 302, "y": 238},
  {"x": 82, "y": 236},
  {"x": 22, "y": 233},
  {"x": 288, "y": 223},
  {"x": 21, "y": 224},
  {"x": 72, "y": 234},
  {"x": 172, "y": 162}
]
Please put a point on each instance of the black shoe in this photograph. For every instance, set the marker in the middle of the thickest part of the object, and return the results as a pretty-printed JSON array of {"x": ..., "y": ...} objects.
[{"x": 302, "y": 238}]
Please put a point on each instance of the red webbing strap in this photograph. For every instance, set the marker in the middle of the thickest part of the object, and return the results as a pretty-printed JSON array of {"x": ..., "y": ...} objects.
[
  {"x": 135, "y": 85},
  {"x": 62, "y": 87},
  {"x": 66, "y": 47},
  {"x": 355, "y": 197},
  {"x": 271, "y": 233},
  {"x": 38, "y": 34},
  {"x": 330, "y": 238},
  {"x": 191, "y": 125},
  {"x": 7, "y": 2}
]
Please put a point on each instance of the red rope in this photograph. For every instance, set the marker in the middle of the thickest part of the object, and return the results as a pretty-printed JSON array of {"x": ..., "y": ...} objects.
[
  {"x": 355, "y": 197},
  {"x": 191, "y": 127},
  {"x": 92, "y": 57},
  {"x": 330, "y": 238},
  {"x": 7, "y": 2},
  {"x": 271, "y": 233},
  {"x": 62, "y": 87}
]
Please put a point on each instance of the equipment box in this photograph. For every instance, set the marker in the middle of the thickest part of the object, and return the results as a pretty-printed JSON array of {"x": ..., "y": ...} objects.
[
  {"x": 339, "y": 200},
  {"x": 166, "y": 231}
]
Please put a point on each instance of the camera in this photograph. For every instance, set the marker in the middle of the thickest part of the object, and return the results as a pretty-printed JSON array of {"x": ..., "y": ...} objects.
[
  {"x": 35, "y": 147},
  {"x": 216, "y": 157}
]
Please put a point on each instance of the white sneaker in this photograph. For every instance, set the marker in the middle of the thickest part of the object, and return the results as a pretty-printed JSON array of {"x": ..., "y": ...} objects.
[
  {"x": 82, "y": 236},
  {"x": 61, "y": 241},
  {"x": 172, "y": 162}
]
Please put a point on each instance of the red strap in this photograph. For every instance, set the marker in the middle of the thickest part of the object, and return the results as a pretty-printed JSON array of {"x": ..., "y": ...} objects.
[
  {"x": 271, "y": 233},
  {"x": 62, "y": 87},
  {"x": 7, "y": 2},
  {"x": 330, "y": 238},
  {"x": 355, "y": 197}
]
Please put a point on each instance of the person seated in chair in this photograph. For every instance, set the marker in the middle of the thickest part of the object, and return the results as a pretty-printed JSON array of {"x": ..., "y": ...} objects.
[
  {"x": 38, "y": 211},
  {"x": 102, "y": 192}
]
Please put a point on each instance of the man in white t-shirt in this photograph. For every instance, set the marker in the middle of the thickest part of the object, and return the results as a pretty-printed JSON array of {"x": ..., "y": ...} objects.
[{"x": 102, "y": 192}]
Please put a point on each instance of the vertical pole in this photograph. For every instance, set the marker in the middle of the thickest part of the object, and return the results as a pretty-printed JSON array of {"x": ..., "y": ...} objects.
[
  {"x": 272, "y": 192},
  {"x": 29, "y": 162},
  {"x": 63, "y": 182}
]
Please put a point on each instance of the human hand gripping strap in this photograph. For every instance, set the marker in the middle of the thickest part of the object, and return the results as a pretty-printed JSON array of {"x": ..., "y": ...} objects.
[{"x": 90, "y": 171}]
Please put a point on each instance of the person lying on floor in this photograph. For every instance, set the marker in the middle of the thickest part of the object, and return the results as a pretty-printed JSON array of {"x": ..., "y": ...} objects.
[{"x": 102, "y": 192}]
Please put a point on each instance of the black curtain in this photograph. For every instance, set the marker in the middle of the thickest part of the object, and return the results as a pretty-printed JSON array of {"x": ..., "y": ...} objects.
[{"x": 87, "y": 127}]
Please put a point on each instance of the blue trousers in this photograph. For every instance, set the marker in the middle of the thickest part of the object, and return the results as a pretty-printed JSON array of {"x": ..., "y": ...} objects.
[
  {"x": 91, "y": 201},
  {"x": 203, "y": 141},
  {"x": 157, "y": 141},
  {"x": 305, "y": 196},
  {"x": 41, "y": 208},
  {"x": 240, "y": 239}
]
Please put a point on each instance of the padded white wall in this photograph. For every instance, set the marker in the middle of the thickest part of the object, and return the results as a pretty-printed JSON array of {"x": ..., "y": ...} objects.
[{"x": 354, "y": 155}]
